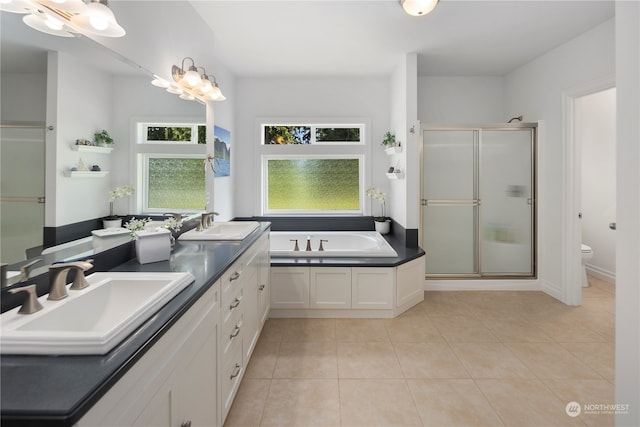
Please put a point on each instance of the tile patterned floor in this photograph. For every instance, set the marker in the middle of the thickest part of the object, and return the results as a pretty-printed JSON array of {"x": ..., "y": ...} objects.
[{"x": 457, "y": 359}]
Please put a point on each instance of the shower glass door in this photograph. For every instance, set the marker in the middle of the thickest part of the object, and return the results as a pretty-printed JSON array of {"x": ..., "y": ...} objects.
[
  {"x": 478, "y": 201},
  {"x": 450, "y": 202}
]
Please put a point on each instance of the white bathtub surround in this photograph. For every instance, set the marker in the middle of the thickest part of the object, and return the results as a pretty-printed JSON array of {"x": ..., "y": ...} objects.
[{"x": 334, "y": 244}]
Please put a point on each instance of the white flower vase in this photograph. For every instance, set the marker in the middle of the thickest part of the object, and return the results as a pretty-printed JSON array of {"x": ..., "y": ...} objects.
[
  {"x": 383, "y": 227},
  {"x": 153, "y": 245},
  {"x": 112, "y": 223}
]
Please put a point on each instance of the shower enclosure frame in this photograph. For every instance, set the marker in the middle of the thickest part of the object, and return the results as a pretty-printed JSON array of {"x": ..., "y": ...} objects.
[{"x": 477, "y": 160}]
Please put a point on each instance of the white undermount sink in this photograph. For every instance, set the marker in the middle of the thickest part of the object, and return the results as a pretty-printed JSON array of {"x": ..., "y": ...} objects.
[
  {"x": 92, "y": 320},
  {"x": 231, "y": 230}
]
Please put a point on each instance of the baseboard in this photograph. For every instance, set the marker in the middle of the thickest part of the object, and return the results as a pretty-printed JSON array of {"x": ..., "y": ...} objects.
[
  {"x": 601, "y": 273},
  {"x": 552, "y": 289},
  {"x": 482, "y": 285}
]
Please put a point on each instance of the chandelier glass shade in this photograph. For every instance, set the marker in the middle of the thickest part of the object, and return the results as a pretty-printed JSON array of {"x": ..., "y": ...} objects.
[
  {"x": 65, "y": 18},
  {"x": 190, "y": 83},
  {"x": 418, "y": 7}
]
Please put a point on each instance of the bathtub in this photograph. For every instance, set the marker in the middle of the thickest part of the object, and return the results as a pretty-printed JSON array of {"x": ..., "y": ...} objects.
[{"x": 335, "y": 244}]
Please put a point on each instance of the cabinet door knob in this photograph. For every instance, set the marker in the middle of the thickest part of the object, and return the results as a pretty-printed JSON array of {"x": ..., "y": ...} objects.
[
  {"x": 234, "y": 304},
  {"x": 186, "y": 424},
  {"x": 261, "y": 287},
  {"x": 234, "y": 276},
  {"x": 235, "y": 332},
  {"x": 236, "y": 373}
]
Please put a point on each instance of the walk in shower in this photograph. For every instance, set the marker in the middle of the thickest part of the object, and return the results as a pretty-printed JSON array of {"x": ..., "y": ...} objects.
[
  {"x": 479, "y": 201},
  {"x": 22, "y": 153}
]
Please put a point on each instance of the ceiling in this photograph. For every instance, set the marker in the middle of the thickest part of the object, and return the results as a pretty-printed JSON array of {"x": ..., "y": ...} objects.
[
  {"x": 361, "y": 37},
  {"x": 348, "y": 37}
]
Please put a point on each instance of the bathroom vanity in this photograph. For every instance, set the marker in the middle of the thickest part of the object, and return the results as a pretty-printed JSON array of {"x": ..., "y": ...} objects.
[{"x": 184, "y": 365}]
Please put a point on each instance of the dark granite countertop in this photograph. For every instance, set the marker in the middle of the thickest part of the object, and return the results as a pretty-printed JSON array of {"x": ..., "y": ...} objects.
[{"x": 59, "y": 390}]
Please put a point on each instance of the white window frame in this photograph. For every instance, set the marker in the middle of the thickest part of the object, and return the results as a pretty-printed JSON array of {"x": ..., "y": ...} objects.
[
  {"x": 141, "y": 132},
  {"x": 142, "y": 150},
  {"x": 345, "y": 150},
  {"x": 313, "y": 127}
]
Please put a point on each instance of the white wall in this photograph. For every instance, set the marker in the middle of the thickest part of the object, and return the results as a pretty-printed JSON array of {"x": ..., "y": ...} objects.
[
  {"x": 535, "y": 91},
  {"x": 595, "y": 122},
  {"x": 627, "y": 352},
  {"x": 462, "y": 100},
  {"x": 83, "y": 105},
  {"x": 302, "y": 97}
]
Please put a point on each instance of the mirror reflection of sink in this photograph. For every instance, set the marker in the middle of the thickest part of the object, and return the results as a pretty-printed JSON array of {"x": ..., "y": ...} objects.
[
  {"x": 231, "y": 230},
  {"x": 92, "y": 320}
]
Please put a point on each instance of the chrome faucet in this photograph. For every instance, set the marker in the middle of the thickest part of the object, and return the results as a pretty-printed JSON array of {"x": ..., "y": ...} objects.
[
  {"x": 321, "y": 248},
  {"x": 295, "y": 247},
  {"x": 58, "y": 278},
  {"x": 308, "y": 244},
  {"x": 31, "y": 303}
]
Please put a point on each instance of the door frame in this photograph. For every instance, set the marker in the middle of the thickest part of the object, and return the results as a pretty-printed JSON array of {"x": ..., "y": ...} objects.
[{"x": 572, "y": 255}]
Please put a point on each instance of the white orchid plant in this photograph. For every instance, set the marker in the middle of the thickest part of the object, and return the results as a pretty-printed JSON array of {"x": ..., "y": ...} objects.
[
  {"x": 136, "y": 225},
  {"x": 381, "y": 197},
  {"x": 116, "y": 193},
  {"x": 172, "y": 224}
]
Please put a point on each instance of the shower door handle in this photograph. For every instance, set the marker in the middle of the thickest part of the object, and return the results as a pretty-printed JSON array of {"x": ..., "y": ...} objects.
[{"x": 450, "y": 202}]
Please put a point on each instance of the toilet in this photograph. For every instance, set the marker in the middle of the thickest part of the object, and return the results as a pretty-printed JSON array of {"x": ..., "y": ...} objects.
[{"x": 587, "y": 254}]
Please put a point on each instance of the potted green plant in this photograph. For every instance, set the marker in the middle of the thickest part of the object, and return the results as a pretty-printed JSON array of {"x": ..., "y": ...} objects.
[
  {"x": 389, "y": 140},
  {"x": 102, "y": 138},
  {"x": 382, "y": 223}
]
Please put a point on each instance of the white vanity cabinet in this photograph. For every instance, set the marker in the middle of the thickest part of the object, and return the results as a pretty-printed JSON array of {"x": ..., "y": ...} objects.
[
  {"x": 242, "y": 317},
  {"x": 346, "y": 291},
  {"x": 191, "y": 375},
  {"x": 174, "y": 383}
]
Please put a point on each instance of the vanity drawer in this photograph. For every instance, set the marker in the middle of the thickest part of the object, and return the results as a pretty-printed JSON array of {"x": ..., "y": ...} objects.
[
  {"x": 232, "y": 305},
  {"x": 231, "y": 335},
  {"x": 232, "y": 372}
]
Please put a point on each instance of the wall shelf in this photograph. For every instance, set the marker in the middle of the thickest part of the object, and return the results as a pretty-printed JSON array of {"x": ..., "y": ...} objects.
[
  {"x": 91, "y": 149},
  {"x": 399, "y": 175},
  {"x": 85, "y": 174},
  {"x": 393, "y": 150}
]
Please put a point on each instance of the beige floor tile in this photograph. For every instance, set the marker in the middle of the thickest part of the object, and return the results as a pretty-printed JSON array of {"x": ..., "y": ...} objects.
[
  {"x": 571, "y": 328},
  {"x": 368, "y": 360},
  {"x": 297, "y": 403},
  {"x": 463, "y": 329},
  {"x": 361, "y": 330},
  {"x": 526, "y": 403},
  {"x": 587, "y": 393},
  {"x": 249, "y": 403},
  {"x": 299, "y": 330},
  {"x": 413, "y": 328},
  {"x": 490, "y": 360},
  {"x": 552, "y": 361},
  {"x": 516, "y": 331},
  {"x": 263, "y": 360},
  {"x": 377, "y": 402},
  {"x": 307, "y": 360},
  {"x": 429, "y": 360},
  {"x": 452, "y": 403},
  {"x": 274, "y": 330},
  {"x": 599, "y": 356}
]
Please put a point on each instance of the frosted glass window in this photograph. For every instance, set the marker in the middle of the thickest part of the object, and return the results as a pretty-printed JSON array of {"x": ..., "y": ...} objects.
[
  {"x": 313, "y": 184},
  {"x": 175, "y": 184}
]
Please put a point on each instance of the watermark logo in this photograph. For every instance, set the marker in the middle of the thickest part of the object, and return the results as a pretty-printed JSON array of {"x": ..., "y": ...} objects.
[{"x": 573, "y": 409}]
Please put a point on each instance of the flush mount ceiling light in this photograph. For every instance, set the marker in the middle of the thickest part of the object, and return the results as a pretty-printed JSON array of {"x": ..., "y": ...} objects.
[
  {"x": 191, "y": 83},
  {"x": 66, "y": 17},
  {"x": 418, "y": 7}
]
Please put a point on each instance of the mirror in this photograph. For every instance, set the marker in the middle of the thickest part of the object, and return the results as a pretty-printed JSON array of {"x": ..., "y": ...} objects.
[{"x": 24, "y": 130}]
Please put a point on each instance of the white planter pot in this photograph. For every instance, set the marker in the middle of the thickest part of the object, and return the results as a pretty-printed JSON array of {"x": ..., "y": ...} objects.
[
  {"x": 383, "y": 227},
  {"x": 153, "y": 245},
  {"x": 112, "y": 223}
]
